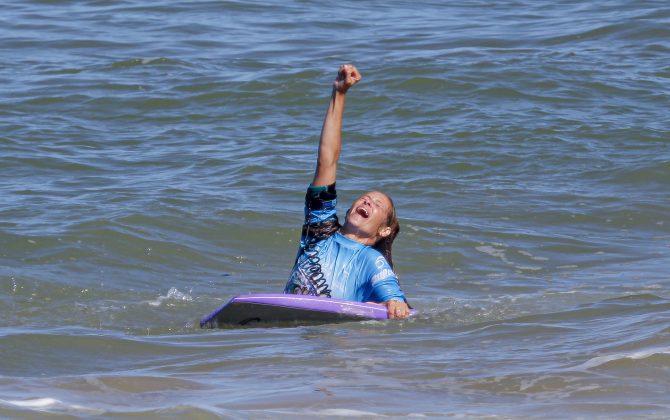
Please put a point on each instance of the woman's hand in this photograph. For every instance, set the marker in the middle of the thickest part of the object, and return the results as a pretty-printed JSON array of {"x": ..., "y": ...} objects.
[
  {"x": 397, "y": 309},
  {"x": 347, "y": 76}
]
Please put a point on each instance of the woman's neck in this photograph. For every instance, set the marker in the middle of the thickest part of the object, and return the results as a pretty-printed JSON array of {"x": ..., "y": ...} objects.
[{"x": 354, "y": 234}]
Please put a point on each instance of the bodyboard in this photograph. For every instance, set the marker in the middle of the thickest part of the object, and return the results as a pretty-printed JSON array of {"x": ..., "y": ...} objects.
[{"x": 273, "y": 309}]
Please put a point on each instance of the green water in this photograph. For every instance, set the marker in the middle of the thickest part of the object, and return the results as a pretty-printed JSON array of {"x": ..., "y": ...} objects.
[{"x": 153, "y": 162}]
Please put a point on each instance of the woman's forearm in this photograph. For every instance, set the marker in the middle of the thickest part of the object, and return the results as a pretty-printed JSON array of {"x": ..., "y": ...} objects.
[{"x": 330, "y": 142}]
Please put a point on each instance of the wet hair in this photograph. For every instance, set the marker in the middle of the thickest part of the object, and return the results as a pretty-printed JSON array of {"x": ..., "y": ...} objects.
[
  {"x": 385, "y": 245},
  {"x": 322, "y": 230}
]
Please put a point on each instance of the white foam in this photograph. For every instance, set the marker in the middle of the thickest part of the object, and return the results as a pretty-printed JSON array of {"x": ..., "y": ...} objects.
[
  {"x": 497, "y": 250},
  {"x": 35, "y": 403},
  {"x": 494, "y": 252},
  {"x": 638, "y": 355},
  {"x": 527, "y": 268},
  {"x": 533, "y": 257},
  {"x": 172, "y": 294},
  {"x": 345, "y": 412},
  {"x": 50, "y": 405}
]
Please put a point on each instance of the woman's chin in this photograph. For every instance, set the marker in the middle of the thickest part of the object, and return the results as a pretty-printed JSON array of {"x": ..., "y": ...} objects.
[{"x": 355, "y": 220}]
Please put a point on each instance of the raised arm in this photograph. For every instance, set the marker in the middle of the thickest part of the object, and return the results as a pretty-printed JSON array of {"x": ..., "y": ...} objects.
[{"x": 330, "y": 142}]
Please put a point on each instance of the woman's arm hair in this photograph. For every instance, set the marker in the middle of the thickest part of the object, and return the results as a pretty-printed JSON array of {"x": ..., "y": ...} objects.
[{"x": 330, "y": 142}]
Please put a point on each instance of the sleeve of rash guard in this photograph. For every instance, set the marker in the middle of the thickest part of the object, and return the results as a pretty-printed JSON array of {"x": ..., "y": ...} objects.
[
  {"x": 384, "y": 282},
  {"x": 320, "y": 215},
  {"x": 320, "y": 203}
]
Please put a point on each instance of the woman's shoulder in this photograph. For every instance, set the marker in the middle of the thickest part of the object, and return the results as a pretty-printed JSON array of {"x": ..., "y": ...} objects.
[{"x": 375, "y": 259}]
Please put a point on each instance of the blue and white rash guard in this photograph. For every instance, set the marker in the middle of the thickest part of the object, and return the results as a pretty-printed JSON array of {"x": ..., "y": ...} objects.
[{"x": 348, "y": 269}]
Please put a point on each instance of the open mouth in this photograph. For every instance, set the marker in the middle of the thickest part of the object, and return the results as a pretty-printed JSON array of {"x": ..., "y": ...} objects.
[{"x": 363, "y": 212}]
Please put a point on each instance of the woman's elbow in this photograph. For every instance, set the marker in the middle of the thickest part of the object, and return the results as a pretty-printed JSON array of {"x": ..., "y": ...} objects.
[{"x": 326, "y": 163}]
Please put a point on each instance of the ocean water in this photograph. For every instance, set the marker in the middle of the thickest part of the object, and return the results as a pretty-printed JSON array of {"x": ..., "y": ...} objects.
[{"x": 153, "y": 162}]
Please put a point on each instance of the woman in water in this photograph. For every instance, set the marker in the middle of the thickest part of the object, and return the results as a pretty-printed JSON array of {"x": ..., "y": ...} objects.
[{"x": 350, "y": 261}]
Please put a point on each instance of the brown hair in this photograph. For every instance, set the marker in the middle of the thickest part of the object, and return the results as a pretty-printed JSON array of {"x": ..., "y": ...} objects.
[{"x": 384, "y": 245}]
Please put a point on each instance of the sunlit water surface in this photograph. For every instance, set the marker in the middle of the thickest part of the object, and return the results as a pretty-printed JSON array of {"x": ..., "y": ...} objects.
[{"x": 153, "y": 163}]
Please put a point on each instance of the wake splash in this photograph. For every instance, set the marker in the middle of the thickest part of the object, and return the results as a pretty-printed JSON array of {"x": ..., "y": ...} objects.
[{"x": 173, "y": 295}]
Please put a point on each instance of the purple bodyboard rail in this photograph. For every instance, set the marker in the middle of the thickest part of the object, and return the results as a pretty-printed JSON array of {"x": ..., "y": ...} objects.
[{"x": 272, "y": 308}]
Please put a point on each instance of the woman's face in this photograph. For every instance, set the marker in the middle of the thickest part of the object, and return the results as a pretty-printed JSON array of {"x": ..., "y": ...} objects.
[{"x": 369, "y": 214}]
